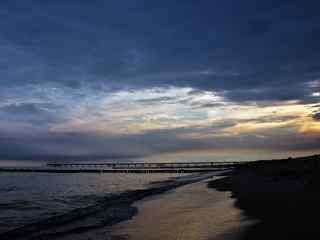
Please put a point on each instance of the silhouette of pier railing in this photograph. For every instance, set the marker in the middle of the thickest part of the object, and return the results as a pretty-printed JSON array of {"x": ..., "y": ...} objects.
[
  {"x": 127, "y": 167},
  {"x": 137, "y": 165},
  {"x": 154, "y": 167}
]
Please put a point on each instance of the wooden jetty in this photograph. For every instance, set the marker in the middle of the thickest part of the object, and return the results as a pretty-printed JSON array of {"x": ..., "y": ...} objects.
[
  {"x": 127, "y": 167},
  {"x": 148, "y": 165}
]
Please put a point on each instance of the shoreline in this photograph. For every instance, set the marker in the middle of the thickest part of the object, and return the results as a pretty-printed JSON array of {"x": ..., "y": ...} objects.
[
  {"x": 283, "y": 196},
  {"x": 111, "y": 210},
  {"x": 190, "y": 212}
]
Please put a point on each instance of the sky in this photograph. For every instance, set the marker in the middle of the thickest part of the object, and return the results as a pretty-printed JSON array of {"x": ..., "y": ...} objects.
[{"x": 167, "y": 79}]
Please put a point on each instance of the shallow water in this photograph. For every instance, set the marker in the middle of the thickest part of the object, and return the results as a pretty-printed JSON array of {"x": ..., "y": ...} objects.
[{"x": 30, "y": 197}]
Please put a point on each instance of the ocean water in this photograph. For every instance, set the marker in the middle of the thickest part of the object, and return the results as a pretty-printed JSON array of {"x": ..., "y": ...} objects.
[{"x": 30, "y": 197}]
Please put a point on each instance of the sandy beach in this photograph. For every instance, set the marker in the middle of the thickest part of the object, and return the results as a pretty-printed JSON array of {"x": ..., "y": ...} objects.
[
  {"x": 282, "y": 195},
  {"x": 190, "y": 212}
]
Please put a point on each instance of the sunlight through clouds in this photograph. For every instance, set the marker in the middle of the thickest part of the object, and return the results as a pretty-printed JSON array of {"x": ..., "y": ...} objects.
[{"x": 138, "y": 111}]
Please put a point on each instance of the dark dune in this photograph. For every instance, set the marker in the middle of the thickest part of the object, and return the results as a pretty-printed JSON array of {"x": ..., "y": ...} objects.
[{"x": 283, "y": 195}]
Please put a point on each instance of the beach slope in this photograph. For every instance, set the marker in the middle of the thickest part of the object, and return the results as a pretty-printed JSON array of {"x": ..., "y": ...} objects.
[{"x": 282, "y": 195}]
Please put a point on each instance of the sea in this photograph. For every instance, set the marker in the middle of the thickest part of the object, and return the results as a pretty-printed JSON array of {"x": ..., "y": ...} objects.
[{"x": 30, "y": 197}]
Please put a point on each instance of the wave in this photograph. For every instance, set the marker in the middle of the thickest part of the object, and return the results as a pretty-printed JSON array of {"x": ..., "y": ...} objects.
[
  {"x": 8, "y": 189},
  {"x": 18, "y": 205},
  {"x": 108, "y": 210}
]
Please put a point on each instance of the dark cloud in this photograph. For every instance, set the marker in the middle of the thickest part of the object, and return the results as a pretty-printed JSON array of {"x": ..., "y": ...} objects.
[
  {"x": 259, "y": 47},
  {"x": 23, "y": 108},
  {"x": 36, "y": 113},
  {"x": 157, "y": 100},
  {"x": 316, "y": 116},
  {"x": 269, "y": 119},
  {"x": 210, "y": 105}
]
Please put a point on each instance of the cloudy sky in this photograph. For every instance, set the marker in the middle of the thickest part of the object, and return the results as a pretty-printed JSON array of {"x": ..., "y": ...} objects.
[{"x": 193, "y": 79}]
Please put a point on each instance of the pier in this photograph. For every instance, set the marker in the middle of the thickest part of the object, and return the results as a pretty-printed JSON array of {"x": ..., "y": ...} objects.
[
  {"x": 127, "y": 167},
  {"x": 145, "y": 165}
]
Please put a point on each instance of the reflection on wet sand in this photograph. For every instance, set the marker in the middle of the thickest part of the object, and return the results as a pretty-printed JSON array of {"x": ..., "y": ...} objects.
[{"x": 190, "y": 212}]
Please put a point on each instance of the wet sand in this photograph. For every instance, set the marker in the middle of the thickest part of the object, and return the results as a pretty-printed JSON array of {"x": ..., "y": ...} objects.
[{"x": 190, "y": 212}]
